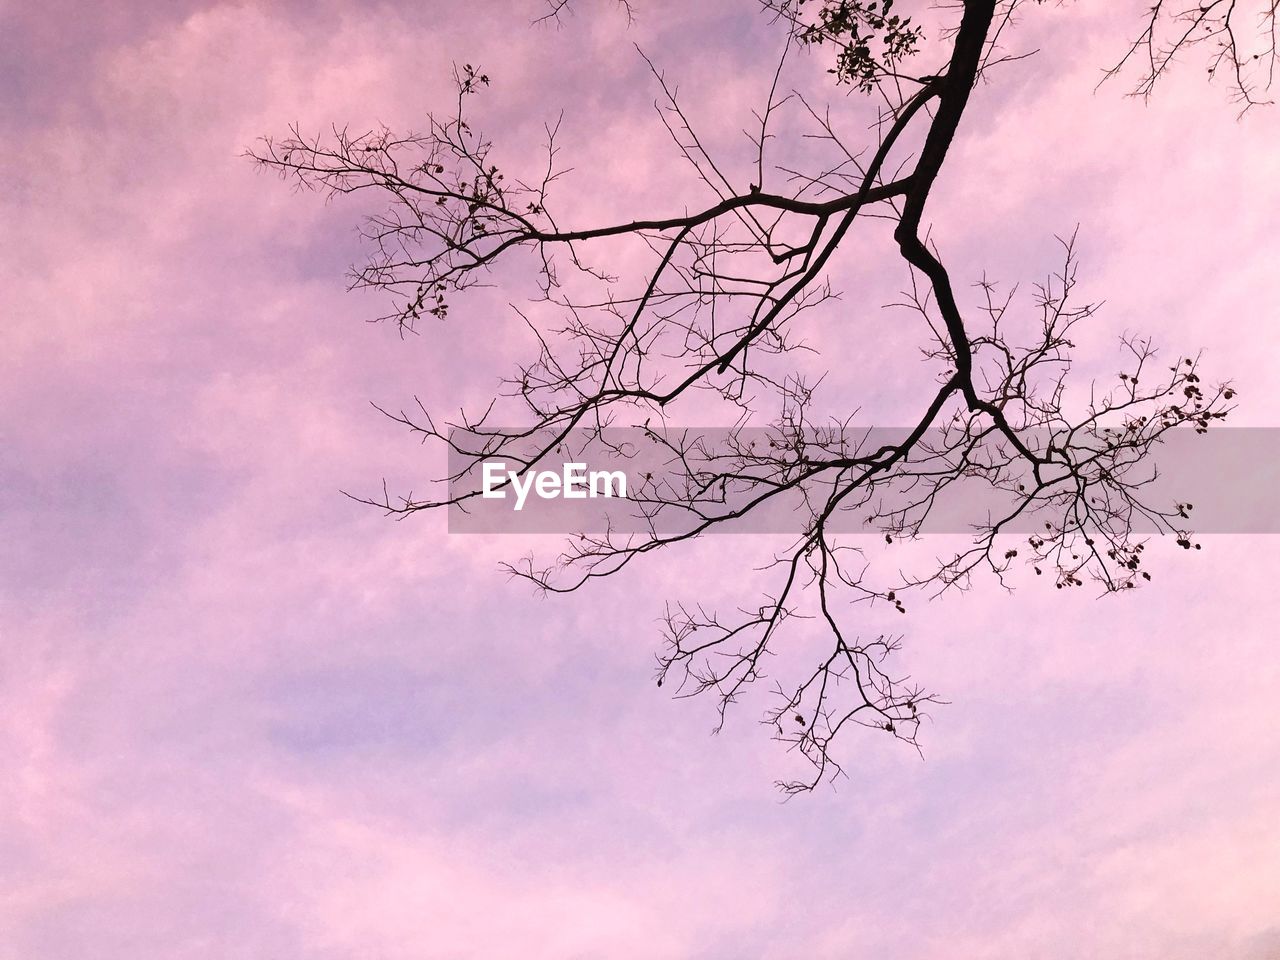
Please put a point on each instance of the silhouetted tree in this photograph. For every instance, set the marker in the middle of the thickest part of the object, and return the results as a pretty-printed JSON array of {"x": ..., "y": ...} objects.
[{"x": 716, "y": 313}]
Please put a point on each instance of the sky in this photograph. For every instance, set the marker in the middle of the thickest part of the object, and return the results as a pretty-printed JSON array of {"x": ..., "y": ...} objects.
[{"x": 245, "y": 717}]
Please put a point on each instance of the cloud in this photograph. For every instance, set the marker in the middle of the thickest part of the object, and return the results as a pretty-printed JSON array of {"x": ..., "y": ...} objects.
[{"x": 246, "y": 717}]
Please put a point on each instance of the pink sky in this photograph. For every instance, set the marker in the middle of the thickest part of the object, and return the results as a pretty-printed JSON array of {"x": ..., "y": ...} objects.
[{"x": 245, "y": 718}]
